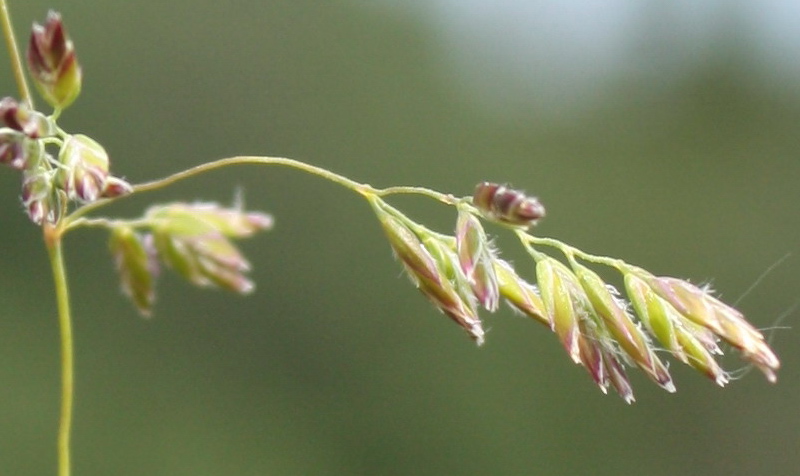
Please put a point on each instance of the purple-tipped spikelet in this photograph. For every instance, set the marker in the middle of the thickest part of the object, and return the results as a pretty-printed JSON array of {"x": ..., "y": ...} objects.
[
  {"x": 598, "y": 328},
  {"x": 20, "y": 118},
  {"x": 454, "y": 295},
  {"x": 670, "y": 328},
  {"x": 52, "y": 62},
  {"x": 598, "y": 355},
  {"x": 232, "y": 222},
  {"x": 116, "y": 187},
  {"x": 697, "y": 316},
  {"x": 594, "y": 328},
  {"x": 477, "y": 257},
  {"x": 18, "y": 127},
  {"x": 41, "y": 199},
  {"x": 433, "y": 266},
  {"x": 193, "y": 239},
  {"x": 13, "y": 150},
  {"x": 564, "y": 302},
  {"x": 520, "y": 294},
  {"x": 506, "y": 205},
  {"x": 137, "y": 264},
  {"x": 620, "y": 326},
  {"x": 85, "y": 169}
]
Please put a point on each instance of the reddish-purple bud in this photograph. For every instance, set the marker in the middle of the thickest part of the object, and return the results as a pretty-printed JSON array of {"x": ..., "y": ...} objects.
[
  {"x": 52, "y": 62},
  {"x": 20, "y": 118},
  {"x": 506, "y": 205},
  {"x": 40, "y": 197},
  {"x": 12, "y": 150}
]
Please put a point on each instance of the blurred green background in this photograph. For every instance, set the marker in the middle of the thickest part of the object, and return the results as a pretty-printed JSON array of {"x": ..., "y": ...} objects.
[{"x": 663, "y": 133}]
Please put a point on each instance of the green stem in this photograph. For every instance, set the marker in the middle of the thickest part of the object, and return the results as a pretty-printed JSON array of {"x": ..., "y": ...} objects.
[
  {"x": 217, "y": 164},
  {"x": 366, "y": 190},
  {"x": 13, "y": 53},
  {"x": 570, "y": 251},
  {"x": 53, "y": 242}
]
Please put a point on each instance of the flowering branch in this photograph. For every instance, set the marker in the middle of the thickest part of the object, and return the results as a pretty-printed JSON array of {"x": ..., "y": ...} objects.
[{"x": 66, "y": 177}]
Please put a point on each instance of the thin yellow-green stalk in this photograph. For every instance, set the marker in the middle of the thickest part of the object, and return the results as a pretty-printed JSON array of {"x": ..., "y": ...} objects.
[
  {"x": 52, "y": 238},
  {"x": 72, "y": 221},
  {"x": 13, "y": 52}
]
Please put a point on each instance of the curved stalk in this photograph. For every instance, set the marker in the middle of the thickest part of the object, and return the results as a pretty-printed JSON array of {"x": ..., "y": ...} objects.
[
  {"x": 73, "y": 221},
  {"x": 13, "y": 53},
  {"x": 570, "y": 251},
  {"x": 53, "y": 241},
  {"x": 217, "y": 164}
]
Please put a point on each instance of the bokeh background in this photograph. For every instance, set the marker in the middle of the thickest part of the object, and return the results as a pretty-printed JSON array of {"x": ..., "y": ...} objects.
[{"x": 664, "y": 133}]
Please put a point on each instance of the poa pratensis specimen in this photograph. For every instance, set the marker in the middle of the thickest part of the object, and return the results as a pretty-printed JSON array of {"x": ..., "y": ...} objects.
[{"x": 66, "y": 179}]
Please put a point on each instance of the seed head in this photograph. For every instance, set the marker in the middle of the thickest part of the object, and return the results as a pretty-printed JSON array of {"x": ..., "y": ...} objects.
[
  {"x": 13, "y": 150},
  {"x": 615, "y": 318},
  {"x": 232, "y": 222},
  {"x": 193, "y": 239},
  {"x": 85, "y": 169},
  {"x": 20, "y": 118},
  {"x": 599, "y": 357},
  {"x": 477, "y": 257},
  {"x": 52, "y": 62},
  {"x": 594, "y": 327},
  {"x": 673, "y": 329},
  {"x": 40, "y": 197},
  {"x": 564, "y": 302},
  {"x": 708, "y": 314},
  {"x": 408, "y": 248},
  {"x": 137, "y": 265},
  {"x": 433, "y": 266},
  {"x": 520, "y": 294}
]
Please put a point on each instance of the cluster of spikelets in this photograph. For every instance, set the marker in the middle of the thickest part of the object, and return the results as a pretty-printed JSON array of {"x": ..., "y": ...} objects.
[
  {"x": 61, "y": 169},
  {"x": 459, "y": 274},
  {"x": 192, "y": 239},
  {"x": 79, "y": 172},
  {"x": 600, "y": 330}
]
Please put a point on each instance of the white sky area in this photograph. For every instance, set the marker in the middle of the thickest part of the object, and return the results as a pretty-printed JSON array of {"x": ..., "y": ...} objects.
[{"x": 557, "y": 53}]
